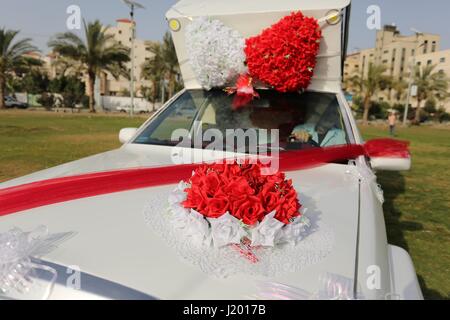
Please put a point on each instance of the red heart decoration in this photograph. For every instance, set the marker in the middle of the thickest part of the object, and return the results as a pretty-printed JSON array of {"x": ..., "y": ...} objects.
[{"x": 285, "y": 54}]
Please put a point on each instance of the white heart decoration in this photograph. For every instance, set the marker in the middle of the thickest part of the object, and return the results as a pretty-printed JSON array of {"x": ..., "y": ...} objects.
[{"x": 216, "y": 52}]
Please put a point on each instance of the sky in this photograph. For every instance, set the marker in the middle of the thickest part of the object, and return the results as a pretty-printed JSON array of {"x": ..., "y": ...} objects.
[{"x": 40, "y": 19}]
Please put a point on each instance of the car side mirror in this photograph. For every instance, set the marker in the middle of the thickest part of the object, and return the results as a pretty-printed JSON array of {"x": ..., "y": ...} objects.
[
  {"x": 390, "y": 164},
  {"x": 388, "y": 154},
  {"x": 126, "y": 134}
]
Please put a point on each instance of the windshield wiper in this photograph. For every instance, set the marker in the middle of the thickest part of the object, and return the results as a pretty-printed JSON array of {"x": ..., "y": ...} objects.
[{"x": 159, "y": 142}]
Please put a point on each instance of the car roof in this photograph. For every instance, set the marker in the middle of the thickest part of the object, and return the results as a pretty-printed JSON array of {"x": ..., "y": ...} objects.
[
  {"x": 225, "y": 7},
  {"x": 251, "y": 16}
]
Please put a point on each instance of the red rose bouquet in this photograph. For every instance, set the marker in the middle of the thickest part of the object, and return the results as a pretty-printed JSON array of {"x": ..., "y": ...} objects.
[
  {"x": 242, "y": 191},
  {"x": 230, "y": 203}
]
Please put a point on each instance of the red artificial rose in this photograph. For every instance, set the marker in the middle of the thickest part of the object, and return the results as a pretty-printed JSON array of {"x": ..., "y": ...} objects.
[
  {"x": 238, "y": 187},
  {"x": 199, "y": 173},
  {"x": 241, "y": 190},
  {"x": 210, "y": 183},
  {"x": 217, "y": 206},
  {"x": 275, "y": 179},
  {"x": 271, "y": 200},
  {"x": 285, "y": 55},
  {"x": 288, "y": 208},
  {"x": 195, "y": 199},
  {"x": 250, "y": 211}
]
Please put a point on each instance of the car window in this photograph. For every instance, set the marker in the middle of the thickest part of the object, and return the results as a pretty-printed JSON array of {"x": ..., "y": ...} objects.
[
  {"x": 179, "y": 115},
  {"x": 316, "y": 116}
]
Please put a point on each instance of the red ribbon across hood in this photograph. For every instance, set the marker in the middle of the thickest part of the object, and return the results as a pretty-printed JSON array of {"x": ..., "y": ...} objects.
[{"x": 57, "y": 190}]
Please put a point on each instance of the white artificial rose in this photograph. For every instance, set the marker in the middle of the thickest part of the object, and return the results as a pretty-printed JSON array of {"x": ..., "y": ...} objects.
[
  {"x": 180, "y": 216},
  {"x": 178, "y": 195},
  {"x": 216, "y": 52},
  {"x": 197, "y": 227},
  {"x": 226, "y": 230},
  {"x": 294, "y": 232},
  {"x": 265, "y": 233}
]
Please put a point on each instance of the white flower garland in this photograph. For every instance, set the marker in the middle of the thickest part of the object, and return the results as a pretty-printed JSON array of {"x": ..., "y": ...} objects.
[
  {"x": 315, "y": 245},
  {"x": 227, "y": 230},
  {"x": 216, "y": 52}
]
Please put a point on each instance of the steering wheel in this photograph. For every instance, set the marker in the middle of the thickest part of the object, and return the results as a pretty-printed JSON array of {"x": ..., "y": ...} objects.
[
  {"x": 312, "y": 143},
  {"x": 300, "y": 145}
]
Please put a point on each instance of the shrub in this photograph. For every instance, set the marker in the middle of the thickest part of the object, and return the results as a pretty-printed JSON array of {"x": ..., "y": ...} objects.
[
  {"x": 444, "y": 117},
  {"x": 71, "y": 88},
  {"x": 430, "y": 106},
  {"x": 379, "y": 110},
  {"x": 85, "y": 101},
  {"x": 47, "y": 100}
]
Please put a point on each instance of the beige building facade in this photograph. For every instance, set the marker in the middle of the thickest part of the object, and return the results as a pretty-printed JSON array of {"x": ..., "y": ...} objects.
[
  {"x": 441, "y": 62},
  {"x": 108, "y": 85},
  {"x": 114, "y": 87},
  {"x": 358, "y": 63},
  {"x": 394, "y": 50},
  {"x": 46, "y": 61},
  {"x": 397, "y": 53}
]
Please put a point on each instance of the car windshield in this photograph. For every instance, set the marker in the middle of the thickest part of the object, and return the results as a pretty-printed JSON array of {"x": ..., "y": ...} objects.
[{"x": 302, "y": 120}]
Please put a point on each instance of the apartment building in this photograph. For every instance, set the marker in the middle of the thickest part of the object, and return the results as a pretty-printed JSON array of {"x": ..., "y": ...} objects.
[
  {"x": 357, "y": 63},
  {"x": 122, "y": 33},
  {"x": 441, "y": 62},
  {"x": 396, "y": 52},
  {"x": 46, "y": 62},
  {"x": 107, "y": 84}
]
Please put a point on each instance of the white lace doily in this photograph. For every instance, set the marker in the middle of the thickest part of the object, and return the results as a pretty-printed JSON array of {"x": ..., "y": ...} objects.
[{"x": 227, "y": 261}]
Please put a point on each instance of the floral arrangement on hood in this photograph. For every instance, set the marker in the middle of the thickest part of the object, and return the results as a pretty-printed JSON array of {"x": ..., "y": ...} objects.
[
  {"x": 224, "y": 204},
  {"x": 216, "y": 52}
]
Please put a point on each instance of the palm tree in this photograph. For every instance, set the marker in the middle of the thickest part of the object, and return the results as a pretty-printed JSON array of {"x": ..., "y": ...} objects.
[
  {"x": 400, "y": 87},
  {"x": 170, "y": 58},
  {"x": 12, "y": 57},
  {"x": 368, "y": 87},
  {"x": 99, "y": 52},
  {"x": 163, "y": 66},
  {"x": 154, "y": 69},
  {"x": 65, "y": 66},
  {"x": 429, "y": 84}
]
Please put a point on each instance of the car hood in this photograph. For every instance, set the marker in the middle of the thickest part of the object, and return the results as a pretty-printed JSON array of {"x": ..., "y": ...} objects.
[
  {"x": 113, "y": 242},
  {"x": 129, "y": 156}
]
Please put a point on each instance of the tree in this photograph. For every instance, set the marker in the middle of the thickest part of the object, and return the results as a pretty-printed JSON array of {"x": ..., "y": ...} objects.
[
  {"x": 99, "y": 52},
  {"x": 154, "y": 70},
  {"x": 46, "y": 100},
  {"x": 400, "y": 87},
  {"x": 12, "y": 57},
  {"x": 71, "y": 88},
  {"x": 367, "y": 87},
  {"x": 35, "y": 82},
  {"x": 161, "y": 68},
  {"x": 170, "y": 59},
  {"x": 429, "y": 84},
  {"x": 67, "y": 67}
]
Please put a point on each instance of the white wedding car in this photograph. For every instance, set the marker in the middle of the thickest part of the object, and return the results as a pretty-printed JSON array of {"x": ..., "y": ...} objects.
[{"x": 119, "y": 256}]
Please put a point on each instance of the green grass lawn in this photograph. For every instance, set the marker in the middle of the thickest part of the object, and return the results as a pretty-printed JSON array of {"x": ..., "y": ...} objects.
[
  {"x": 417, "y": 206},
  {"x": 31, "y": 141},
  {"x": 417, "y": 202}
]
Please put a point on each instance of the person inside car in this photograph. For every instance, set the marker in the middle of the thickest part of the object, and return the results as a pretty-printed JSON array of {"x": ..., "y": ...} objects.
[{"x": 324, "y": 133}]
